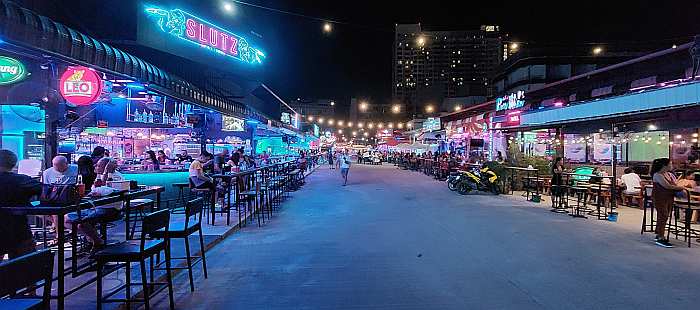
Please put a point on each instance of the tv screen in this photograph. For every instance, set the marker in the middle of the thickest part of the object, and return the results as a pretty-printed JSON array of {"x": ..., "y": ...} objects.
[{"x": 230, "y": 123}]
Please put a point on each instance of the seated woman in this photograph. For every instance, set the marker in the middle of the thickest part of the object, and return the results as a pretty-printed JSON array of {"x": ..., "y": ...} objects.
[
  {"x": 89, "y": 218},
  {"x": 196, "y": 173}
]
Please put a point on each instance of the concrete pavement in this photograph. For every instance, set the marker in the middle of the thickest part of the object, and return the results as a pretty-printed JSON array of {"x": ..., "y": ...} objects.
[{"x": 396, "y": 239}]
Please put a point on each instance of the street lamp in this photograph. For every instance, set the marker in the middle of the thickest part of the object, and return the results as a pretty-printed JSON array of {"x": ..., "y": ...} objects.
[
  {"x": 514, "y": 46},
  {"x": 363, "y": 106},
  {"x": 429, "y": 109},
  {"x": 311, "y": 118},
  {"x": 458, "y": 107},
  {"x": 327, "y": 27},
  {"x": 332, "y": 103},
  {"x": 420, "y": 40},
  {"x": 330, "y": 122},
  {"x": 360, "y": 125},
  {"x": 349, "y": 124},
  {"x": 228, "y": 7},
  {"x": 597, "y": 50},
  {"x": 340, "y": 123},
  {"x": 320, "y": 120},
  {"x": 396, "y": 108}
]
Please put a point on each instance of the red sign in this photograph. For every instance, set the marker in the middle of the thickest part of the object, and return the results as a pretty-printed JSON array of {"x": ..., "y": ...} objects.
[{"x": 80, "y": 85}]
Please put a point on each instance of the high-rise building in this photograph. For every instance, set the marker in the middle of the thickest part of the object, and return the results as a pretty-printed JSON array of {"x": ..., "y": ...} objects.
[{"x": 430, "y": 66}]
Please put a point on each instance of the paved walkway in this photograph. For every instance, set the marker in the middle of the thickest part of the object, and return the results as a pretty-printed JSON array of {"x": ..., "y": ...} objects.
[{"x": 396, "y": 239}]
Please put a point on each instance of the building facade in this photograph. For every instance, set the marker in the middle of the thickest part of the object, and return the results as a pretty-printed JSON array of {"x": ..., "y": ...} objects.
[
  {"x": 534, "y": 66},
  {"x": 429, "y": 66}
]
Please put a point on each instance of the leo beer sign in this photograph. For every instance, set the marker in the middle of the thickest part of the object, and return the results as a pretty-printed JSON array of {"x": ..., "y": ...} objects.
[
  {"x": 11, "y": 70},
  {"x": 80, "y": 85}
]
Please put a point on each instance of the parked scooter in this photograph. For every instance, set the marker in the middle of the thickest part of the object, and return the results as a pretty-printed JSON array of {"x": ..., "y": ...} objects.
[{"x": 483, "y": 179}]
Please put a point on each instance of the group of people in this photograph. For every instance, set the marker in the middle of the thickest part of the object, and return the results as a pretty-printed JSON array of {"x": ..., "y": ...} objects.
[
  {"x": 93, "y": 172},
  {"x": 666, "y": 187}
]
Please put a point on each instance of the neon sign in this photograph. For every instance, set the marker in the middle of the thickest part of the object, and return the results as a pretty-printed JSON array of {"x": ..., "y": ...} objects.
[
  {"x": 512, "y": 101},
  {"x": 80, "y": 85},
  {"x": 188, "y": 27},
  {"x": 11, "y": 70}
]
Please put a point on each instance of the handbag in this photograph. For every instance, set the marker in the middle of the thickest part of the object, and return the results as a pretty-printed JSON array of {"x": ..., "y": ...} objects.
[{"x": 61, "y": 194}]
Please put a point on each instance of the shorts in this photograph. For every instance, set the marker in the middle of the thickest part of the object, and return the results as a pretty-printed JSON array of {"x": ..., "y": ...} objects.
[
  {"x": 344, "y": 171},
  {"x": 93, "y": 216}
]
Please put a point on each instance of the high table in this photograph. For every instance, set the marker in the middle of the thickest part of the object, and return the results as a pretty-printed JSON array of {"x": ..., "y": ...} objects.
[{"x": 528, "y": 171}]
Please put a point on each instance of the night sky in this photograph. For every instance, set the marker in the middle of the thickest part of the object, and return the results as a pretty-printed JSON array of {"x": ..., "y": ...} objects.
[{"x": 355, "y": 59}]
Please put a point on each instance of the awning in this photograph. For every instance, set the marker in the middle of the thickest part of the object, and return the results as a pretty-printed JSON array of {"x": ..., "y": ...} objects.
[{"x": 642, "y": 102}]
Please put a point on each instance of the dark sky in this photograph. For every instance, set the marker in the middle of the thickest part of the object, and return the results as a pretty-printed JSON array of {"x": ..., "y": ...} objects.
[{"x": 355, "y": 60}]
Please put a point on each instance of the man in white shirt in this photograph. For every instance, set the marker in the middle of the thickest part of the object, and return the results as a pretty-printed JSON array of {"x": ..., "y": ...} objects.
[
  {"x": 344, "y": 166},
  {"x": 60, "y": 173},
  {"x": 632, "y": 182}
]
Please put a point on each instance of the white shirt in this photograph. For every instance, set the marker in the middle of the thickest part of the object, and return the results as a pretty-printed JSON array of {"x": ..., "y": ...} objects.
[
  {"x": 632, "y": 182},
  {"x": 344, "y": 162}
]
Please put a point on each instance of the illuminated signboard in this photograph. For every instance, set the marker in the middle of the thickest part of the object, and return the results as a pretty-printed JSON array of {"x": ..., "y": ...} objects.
[
  {"x": 431, "y": 124},
  {"x": 230, "y": 123},
  {"x": 80, "y": 85},
  {"x": 512, "y": 101},
  {"x": 11, "y": 70},
  {"x": 188, "y": 27},
  {"x": 286, "y": 118}
]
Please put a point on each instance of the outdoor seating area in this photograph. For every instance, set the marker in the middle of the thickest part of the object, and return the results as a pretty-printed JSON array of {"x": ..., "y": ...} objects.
[{"x": 148, "y": 243}]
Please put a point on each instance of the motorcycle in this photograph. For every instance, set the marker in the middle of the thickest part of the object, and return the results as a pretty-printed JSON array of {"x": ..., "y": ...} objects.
[
  {"x": 453, "y": 180},
  {"x": 483, "y": 179}
]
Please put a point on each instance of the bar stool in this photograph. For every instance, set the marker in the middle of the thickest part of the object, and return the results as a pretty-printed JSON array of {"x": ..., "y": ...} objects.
[
  {"x": 204, "y": 193},
  {"x": 127, "y": 253},
  {"x": 194, "y": 210},
  {"x": 134, "y": 212}
]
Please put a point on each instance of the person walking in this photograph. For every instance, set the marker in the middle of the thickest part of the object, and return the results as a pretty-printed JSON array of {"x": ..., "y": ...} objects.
[
  {"x": 344, "y": 161},
  {"x": 331, "y": 165},
  {"x": 663, "y": 193}
]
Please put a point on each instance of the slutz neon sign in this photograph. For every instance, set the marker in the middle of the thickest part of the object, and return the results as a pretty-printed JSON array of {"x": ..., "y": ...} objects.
[
  {"x": 512, "y": 101},
  {"x": 196, "y": 30}
]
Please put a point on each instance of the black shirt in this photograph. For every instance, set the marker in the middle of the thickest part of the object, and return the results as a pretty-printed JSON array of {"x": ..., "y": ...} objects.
[{"x": 17, "y": 191}]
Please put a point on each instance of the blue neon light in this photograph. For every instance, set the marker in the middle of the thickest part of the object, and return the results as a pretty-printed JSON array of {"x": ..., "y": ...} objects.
[{"x": 193, "y": 29}]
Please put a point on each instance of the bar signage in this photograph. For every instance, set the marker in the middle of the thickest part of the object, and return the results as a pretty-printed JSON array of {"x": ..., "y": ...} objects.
[
  {"x": 11, "y": 70},
  {"x": 80, "y": 85},
  {"x": 193, "y": 29},
  {"x": 510, "y": 102}
]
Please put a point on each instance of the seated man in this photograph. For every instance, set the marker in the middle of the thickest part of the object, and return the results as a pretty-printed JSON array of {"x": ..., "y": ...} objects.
[
  {"x": 632, "y": 183},
  {"x": 60, "y": 173},
  {"x": 17, "y": 191}
]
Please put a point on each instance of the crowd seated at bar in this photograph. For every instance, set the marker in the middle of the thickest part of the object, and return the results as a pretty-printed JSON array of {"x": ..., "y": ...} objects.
[{"x": 90, "y": 203}]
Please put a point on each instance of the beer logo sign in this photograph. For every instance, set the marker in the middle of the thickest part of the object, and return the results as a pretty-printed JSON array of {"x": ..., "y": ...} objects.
[
  {"x": 80, "y": 85},
  {"x": 11, "y": 70}
]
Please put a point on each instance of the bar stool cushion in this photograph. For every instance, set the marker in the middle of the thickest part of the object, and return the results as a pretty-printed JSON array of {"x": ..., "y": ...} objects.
[{"x": 128, "y": 250}]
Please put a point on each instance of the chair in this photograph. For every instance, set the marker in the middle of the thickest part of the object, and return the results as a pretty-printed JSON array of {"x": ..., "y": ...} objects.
[
  {"x": 194, "y": 210},
  {"x": 25, "y": 272},
  {"x": 134, "y": 212},
  {"x": 128, "y": 252},
  {"x": 205, "y": 193}
]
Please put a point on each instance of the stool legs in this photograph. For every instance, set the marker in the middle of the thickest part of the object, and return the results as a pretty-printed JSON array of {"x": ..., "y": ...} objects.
[
  {"x": 189, "y": 263},
  {"x": 201, "y": 249},
  {"x": 144, "y": 283}
]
